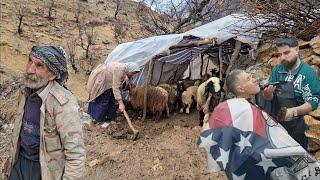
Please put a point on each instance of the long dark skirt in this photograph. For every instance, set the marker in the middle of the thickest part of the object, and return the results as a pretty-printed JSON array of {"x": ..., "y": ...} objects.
[
  {"x": 104, "y": 107},
  {"x": 25, "y": 169}
]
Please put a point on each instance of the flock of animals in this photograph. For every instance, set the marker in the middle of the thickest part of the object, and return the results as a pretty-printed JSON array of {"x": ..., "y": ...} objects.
[{"x": 181, "y": 97}]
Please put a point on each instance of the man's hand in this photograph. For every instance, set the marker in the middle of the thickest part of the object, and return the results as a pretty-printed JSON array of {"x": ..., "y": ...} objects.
[
  {"x": 121, "y": 106},
  {"x": 291, "y": 112},
  {"x": 268, "y": 92}
]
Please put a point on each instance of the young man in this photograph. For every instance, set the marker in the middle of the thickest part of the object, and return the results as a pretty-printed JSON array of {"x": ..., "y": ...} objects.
[
  {"x": 104, "y": 86},
  {"x": 47, "y": 138},
  {"x": 299, "y": 89}
]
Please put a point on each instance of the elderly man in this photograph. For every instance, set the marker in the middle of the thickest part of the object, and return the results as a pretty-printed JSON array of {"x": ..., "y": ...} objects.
[
  {"x": 299, "y": 89},
  {"x": 47, "y": 138},
  {"x": 246, "y": 142},
  {"x": 104, "y": 85}
]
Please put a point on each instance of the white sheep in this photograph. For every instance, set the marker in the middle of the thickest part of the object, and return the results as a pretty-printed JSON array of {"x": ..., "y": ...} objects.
[
  {"x": 188, "y": 97},
  {"x": 208, "y": 97}
]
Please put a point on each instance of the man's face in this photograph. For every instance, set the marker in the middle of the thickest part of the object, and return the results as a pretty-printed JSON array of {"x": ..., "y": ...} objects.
[
  {"x": 248, "y": 85},
  {"x": 37, "y": 74},
  {"x": 288, "y": 56}
]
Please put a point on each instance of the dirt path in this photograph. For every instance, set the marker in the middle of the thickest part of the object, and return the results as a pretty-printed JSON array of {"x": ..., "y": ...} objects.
[{"x": 165, "y": 150}]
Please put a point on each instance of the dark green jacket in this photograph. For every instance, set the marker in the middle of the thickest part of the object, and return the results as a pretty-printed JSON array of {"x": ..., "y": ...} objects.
[{"x": 305, "y": 80}]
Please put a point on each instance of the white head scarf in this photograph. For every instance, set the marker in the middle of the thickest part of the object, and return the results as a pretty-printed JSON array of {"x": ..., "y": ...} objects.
[{"x": 132, "y": 67}]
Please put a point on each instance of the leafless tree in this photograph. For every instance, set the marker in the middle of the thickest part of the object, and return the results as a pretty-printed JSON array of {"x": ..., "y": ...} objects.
[
  {"x": 71, "y": 46},
  {"x": 119, "y": 30},
  {"x": 91, "y": 37},
  {"x": 22, "y": 11},
  {"x": 158, "y": 17},
  {"x": 296, "y": 18},
  {"x": 87, "y": 36},
  {"x": 78, "y": 11},
  {"x": 51, "y": 8},
  {"x": 81, "y": 27},
  {"x": 117, "y": 8}
]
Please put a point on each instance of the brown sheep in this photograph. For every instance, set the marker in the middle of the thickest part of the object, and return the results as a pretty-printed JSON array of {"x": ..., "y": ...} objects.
[
  {"x": 172, "y": 91},
  {"x": 157, "y": 99}
]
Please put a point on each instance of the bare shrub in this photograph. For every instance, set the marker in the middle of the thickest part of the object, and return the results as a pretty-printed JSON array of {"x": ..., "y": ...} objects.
[
  {"x": 159, "y": 17},
  {"x": 22, "y": 11},
  {"x": 71, "y": 46},
  {"x": 119, "y": 30},
  {"x": 298, "y": 18},
  {"x": 51, "y": 8},
  {"x": 116, "y": 12}
]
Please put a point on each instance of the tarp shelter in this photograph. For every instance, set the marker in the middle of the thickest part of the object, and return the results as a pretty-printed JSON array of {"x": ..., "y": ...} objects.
[{"x": 173, "y": 53}]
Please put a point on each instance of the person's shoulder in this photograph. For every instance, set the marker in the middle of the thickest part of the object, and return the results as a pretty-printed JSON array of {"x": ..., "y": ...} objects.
[
  {"x": 61, "y": 94},
  {"x": 306, "y": 66},
  {"x": 307, "y": 69},
  {"x": 278, "y": 67}
]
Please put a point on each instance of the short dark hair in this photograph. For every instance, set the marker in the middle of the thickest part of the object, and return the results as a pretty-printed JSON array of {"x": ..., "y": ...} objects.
[
  {"x": 232, "y": 80},
  {"x": 287, "y": 42}
]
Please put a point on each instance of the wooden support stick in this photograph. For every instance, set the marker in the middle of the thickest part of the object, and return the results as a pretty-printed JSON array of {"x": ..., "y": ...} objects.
[
  {"x": 234, "y": 56},
  {"x": 220, "y": 71},
  {"x": 150, "y": 69},
  {"x": 135, "y": 132}
]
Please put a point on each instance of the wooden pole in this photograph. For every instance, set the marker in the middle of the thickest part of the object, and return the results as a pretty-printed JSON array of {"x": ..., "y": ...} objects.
[
  {"x": 150, "y": 70},
  {"x": 220, "y": 62},
  {"x": 233, "y": 59},
  {"x": 220, "y": 71},
  {"x": 135, "y": 132},
  {"x": 234, "y": 56}
]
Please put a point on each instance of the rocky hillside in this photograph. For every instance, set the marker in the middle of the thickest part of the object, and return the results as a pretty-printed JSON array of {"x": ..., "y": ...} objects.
[{"x": 68, "y": 20}]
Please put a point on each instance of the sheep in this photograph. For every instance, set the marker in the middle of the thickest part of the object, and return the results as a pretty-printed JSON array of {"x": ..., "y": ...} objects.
[
  {"x": 157, "y": 99},
  {"x": 180, "y": 89},
  {"x": 208, "y": 95},
  {"x": 188, "y": 97},
  {"x": 172, "y": 91}
]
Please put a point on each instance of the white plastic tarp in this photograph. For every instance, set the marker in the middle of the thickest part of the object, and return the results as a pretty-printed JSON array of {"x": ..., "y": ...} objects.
[
  {"x": 143, "y": 50},
  {"x": 235, "y": 26}
]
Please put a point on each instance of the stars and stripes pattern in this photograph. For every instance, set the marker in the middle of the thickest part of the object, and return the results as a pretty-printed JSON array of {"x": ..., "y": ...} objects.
[{"x": 237, "y": 138}]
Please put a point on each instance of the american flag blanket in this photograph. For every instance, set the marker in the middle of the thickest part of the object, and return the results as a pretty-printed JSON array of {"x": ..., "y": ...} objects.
[{"x": 248, "y": 144}]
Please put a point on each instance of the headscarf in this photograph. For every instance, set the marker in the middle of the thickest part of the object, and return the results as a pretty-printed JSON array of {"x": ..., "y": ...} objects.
[
  {"x": 55, "y": 58},
  {"x": 132, "y": 67}
]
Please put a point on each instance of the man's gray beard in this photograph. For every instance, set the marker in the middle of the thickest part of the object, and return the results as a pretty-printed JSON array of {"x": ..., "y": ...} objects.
[{"x": 34, "y": 82}]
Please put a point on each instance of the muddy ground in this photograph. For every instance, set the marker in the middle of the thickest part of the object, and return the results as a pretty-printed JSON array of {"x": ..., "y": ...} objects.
[{"x": 164, "y": 150}]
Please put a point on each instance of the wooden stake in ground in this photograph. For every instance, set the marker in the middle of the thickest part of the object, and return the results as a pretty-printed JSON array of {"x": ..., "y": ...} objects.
[
  {"x": 150, "y": 69},
  {"x": 135, "y": 132}
]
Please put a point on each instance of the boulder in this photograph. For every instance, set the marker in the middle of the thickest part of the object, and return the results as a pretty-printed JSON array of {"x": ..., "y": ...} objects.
[
  {"x": 274, "y": 61},
  {"x": 316, "y": 50},
  {"x": 94, "y": 162},
  {"x": 87, "y": 124},
  {"x": 313, "y": 133},
  {"x": 317, "y": 155},
  {"x": 266, "y": 52},
  {"x": 315, "y": 42},
  {"x": 312, "y": 146},
  {"x": 304, "y": 53},
  {"x": 315, "y": 114},
  {"x": 308, "y": 59}
]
